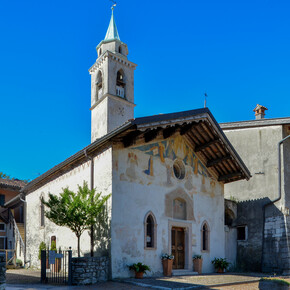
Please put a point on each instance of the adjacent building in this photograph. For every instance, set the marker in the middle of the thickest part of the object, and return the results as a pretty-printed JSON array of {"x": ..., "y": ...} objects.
[
  {"x": 12, "y": 226},
  {"x": 262, "y": 221}
]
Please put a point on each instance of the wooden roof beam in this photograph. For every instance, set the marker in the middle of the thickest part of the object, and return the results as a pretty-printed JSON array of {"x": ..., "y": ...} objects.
[
  {"x": 130, "y": 139},
  {"x": 206, "y": 145},
  {"x": 169, "y": 131},
  {"x": 218, "y": 160},
  {"x": 229, "y": 176},
  {"x": 184, "y": 129},
  {"x": 152, "y": 134}
]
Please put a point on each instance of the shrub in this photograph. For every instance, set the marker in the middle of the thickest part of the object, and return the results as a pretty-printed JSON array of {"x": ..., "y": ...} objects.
[
  {"x": 139, "y": 267},
  {"x": 42, "y": 247},
  {"x": 220, "y": 263}
]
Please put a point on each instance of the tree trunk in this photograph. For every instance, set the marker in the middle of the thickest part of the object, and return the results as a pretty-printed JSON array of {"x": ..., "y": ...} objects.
[
  {"x": 92, "y": 241},
  {"x": 78, "y": 246}
]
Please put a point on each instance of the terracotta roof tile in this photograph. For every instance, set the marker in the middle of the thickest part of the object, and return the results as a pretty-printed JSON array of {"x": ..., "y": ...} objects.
[{"x": 14, "y": 183}]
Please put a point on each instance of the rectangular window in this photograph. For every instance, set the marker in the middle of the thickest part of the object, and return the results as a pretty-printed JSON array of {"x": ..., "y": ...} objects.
[
  {"x": 2, "y": 227},
  {"x": 2, "y": 243},
  {"x": 2, "y": 199},
  {"x": 241, "y": 233}
]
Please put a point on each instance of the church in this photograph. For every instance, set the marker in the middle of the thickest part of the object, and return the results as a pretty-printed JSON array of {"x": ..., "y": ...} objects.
[{"x": 165, "y": 173}]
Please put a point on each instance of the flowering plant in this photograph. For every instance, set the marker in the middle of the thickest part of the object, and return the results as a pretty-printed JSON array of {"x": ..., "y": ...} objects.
[
  {"x": 167, "y": 257},
  {"x": 195, "y": 257}
]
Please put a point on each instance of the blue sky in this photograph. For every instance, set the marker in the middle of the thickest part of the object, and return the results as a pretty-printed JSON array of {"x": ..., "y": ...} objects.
[{"x": 236, "y": 51}]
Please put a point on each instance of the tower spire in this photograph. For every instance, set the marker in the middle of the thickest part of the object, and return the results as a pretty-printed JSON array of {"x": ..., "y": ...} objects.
[{"x": 112, "y": 32}]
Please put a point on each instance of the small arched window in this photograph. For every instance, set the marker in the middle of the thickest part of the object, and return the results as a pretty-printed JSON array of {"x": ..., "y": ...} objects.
[
  {"x": 120, "y": 84},
  {"x": 150, "y": 231},
  {"x": 99, "y": 86},
  {"x": 41, "y": 214},
  {"x": 100, "y": 52},
  {"x": 205, "y": 237}
]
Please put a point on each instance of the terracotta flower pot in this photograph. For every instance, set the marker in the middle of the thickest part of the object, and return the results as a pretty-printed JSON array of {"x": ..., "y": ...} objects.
[
  {"x": 167, "y": 267},
  {"x": 197, "y": 265},
  {"x": 139, "y": 275},
  {"x": 220, "y": 270}
]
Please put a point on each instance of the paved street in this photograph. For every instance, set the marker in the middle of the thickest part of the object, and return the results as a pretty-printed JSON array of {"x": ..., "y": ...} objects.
[{"x": 29, "y": 279}]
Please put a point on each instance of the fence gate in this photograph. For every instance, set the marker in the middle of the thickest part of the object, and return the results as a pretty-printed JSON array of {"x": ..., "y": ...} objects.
[{"x": 56, "y": 267}]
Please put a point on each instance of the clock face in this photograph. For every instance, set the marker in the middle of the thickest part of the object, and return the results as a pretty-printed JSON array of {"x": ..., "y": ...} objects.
[{"x": 121, "y": 111}]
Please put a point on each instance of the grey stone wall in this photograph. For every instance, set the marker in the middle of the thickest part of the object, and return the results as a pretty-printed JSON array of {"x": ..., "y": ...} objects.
[
  {"x": 276, "y": 242},
  {"x": 249, "y": 252},
  {"x": 89, "y": 270},
  {"x": 2, "y": 273}
]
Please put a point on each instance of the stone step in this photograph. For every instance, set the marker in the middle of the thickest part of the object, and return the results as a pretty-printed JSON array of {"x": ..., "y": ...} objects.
[
  {"x": 183, "y": 272},
  {"x": 21, "y": 230}
]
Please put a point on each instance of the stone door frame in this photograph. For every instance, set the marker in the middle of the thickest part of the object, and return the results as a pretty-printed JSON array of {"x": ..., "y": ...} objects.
[{"x": 187, "y": 226}]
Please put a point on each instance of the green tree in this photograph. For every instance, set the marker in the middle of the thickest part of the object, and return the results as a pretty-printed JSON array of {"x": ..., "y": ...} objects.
[{"x": 77, "y": 211}]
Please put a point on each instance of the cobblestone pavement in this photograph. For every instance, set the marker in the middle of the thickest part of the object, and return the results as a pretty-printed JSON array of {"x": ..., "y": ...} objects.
[{"x": 29, "y": 279}]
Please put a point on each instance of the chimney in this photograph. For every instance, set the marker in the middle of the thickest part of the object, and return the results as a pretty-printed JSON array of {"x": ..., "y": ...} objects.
[{"x": 260, "y": 112}]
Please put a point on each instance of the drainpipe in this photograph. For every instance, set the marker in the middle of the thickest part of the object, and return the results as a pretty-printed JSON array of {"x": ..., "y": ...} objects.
[
  {"x": 275, "y": 200},
  {"x": 91, "y": 187}
]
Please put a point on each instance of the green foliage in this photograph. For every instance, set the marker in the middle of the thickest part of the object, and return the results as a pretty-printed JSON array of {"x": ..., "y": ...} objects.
[
  {"x": 42, "y": 246},
  {"x": 167, "y": 257},
  {"x": 139, "y": 267},
  {"x": 195, "y": 257},
  {"x": 5, "y": 176},
  {"x": 220, "y": 263},
  {"x": 276, "y": 280},
  {"x": 77, "y": 211},
  {"x": 19, "y": 263},
  {"x": 53, "y": 246}
]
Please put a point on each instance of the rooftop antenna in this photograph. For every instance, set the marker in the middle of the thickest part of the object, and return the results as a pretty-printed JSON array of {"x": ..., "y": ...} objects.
[
  {"x": 114, "y": 4},
  {"x": 205, "y": 96}
]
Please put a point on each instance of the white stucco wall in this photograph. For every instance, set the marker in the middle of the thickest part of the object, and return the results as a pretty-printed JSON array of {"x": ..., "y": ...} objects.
[
  {"x": 64, "y": 236},
  {"x": 136, "y": 192}
]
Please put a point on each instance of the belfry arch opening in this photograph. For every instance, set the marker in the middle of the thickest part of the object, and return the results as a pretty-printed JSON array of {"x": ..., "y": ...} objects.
[
  {"x": 120, "y": 84},
  {"x": 99, "y": 85}
]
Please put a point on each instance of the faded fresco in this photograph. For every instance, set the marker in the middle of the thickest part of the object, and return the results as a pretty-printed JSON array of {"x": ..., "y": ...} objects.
[{"x": 154, "y": 164}]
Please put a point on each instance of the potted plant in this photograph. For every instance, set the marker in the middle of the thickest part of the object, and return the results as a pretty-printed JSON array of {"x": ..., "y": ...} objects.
[
  {"x": 167, "y": 261},
  {"x": 42, "y": 247},
  {"x": 197, "y": 263},
  {"x": 139, "y": 269},
  {"x": 220, "y": 264}
]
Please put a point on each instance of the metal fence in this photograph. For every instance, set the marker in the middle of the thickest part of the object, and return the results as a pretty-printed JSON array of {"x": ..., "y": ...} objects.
[{"x": 56, "y": 268}]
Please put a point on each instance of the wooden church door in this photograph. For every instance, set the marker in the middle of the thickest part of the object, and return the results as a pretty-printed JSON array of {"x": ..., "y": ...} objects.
[{"x": 177, "y": 248}]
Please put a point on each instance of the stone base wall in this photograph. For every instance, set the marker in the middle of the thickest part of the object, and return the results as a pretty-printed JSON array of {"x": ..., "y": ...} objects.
[
  {"x": 277, "y": 237},
  {"x": 89, "y": 270},
  {"x": 2, "y": 273}
]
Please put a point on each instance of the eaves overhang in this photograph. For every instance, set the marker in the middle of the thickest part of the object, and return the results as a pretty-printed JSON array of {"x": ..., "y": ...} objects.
[
  {"x": 14, "y": 202},
  {"x": 255, "y": 123},
  {"x": 198, "y": 126},
  {"x": 206, "y": 137}
]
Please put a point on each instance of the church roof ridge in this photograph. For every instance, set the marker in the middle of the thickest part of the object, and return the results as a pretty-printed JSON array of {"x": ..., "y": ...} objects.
[{"x": 137, "y": 124}]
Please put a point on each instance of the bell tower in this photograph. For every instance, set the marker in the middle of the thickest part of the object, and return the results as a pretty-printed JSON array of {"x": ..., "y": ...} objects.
[{"x": 112, "y": 84}]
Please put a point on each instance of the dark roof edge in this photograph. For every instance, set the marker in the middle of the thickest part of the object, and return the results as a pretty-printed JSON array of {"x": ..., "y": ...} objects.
[
  {"x": 99, "y": 142},
  {"x": 256, "y": 123},
  {"x": 170, "y": 116},
  {"x": 14, "y": 201},
  {"x": 230, "y": 146}
]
